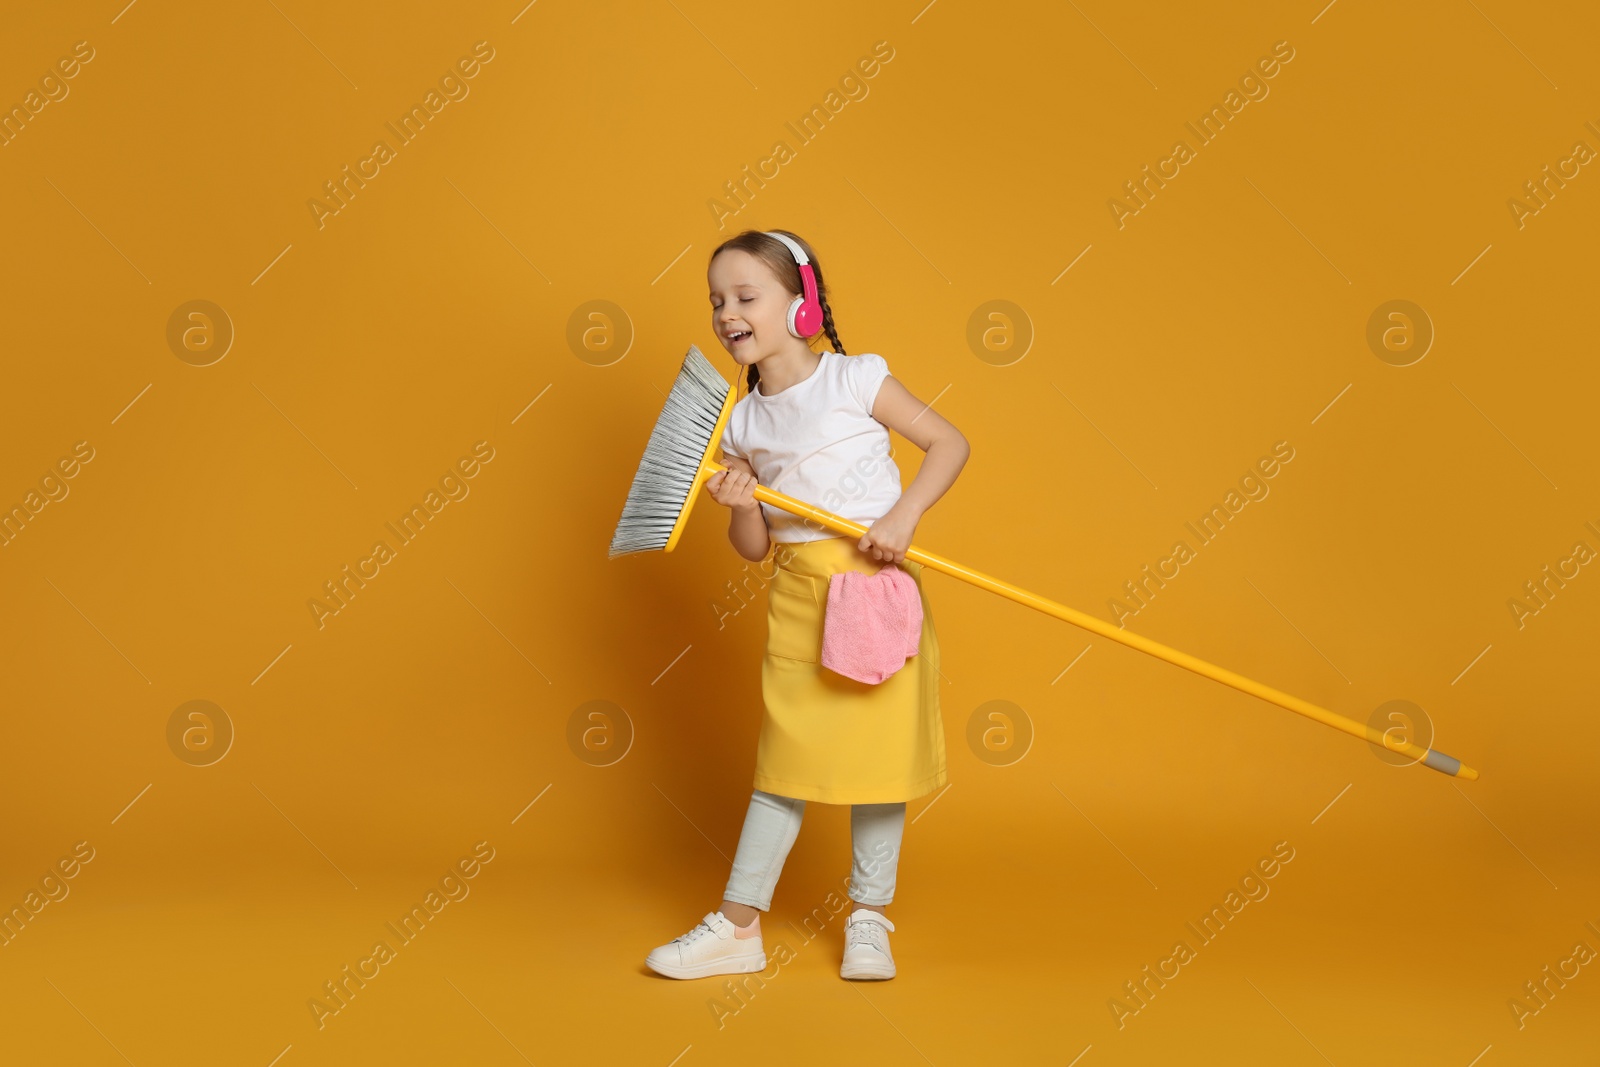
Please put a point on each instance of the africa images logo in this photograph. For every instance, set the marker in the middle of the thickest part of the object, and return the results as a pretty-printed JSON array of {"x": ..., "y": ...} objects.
[{"x": 455, "y": 89}]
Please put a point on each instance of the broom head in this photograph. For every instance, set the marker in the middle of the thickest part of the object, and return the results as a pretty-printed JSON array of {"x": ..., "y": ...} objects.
[{"x": 675, "y": 458}]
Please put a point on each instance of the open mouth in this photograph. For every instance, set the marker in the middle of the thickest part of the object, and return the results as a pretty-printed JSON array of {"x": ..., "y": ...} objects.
[{"x": 736, "y": 338}]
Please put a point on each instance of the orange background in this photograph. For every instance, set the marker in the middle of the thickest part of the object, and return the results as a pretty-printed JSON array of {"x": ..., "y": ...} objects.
[{"x": 438, "y": 308}]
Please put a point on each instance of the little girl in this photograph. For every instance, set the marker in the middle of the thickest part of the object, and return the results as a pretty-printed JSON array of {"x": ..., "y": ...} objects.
[{"x": 816, "y": 427}]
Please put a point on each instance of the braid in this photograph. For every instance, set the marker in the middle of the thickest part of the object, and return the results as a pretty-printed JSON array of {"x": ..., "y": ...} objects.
[
  {"x": 827, "y": 324},
  {"x": 752, "y": 376}
]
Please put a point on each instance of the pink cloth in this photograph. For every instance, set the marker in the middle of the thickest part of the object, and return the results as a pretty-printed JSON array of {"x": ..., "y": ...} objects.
[{"x": 872, "y": 623}]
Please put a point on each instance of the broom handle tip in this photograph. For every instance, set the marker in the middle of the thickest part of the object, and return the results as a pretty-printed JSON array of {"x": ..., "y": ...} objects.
[{"x": 1449, "y": 765}]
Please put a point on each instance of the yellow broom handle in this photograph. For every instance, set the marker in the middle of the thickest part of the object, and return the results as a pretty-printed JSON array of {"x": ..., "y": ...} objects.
[{"x": 1429, "y": 757}]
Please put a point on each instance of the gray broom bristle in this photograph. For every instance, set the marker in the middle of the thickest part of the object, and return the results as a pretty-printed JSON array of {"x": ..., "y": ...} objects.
[{"x": 672, "y": 458}]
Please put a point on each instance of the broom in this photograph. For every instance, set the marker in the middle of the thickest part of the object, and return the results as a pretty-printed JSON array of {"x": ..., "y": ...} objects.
[{"x": 677, "y": 461}]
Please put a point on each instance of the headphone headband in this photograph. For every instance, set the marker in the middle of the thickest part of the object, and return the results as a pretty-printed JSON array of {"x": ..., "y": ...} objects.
[{"x": 794, "y": 246}]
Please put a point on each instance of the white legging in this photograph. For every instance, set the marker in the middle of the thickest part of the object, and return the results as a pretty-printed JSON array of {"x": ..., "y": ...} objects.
[{"x": 770, "y": 828}]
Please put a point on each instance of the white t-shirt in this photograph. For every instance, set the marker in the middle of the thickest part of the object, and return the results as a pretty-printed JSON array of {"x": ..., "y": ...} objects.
[{"x": 818, "y": 442}]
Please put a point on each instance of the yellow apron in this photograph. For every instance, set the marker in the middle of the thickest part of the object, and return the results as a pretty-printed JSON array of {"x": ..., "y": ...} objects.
[{"x": 829, "y": 738}]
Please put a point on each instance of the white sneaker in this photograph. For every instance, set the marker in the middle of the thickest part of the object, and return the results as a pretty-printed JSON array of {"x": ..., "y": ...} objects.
[
  {"x": 866, "y": 946},
  {"x": 710, "y": 948}
]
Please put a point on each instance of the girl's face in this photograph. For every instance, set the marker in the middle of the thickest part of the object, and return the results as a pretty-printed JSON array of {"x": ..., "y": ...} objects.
[{"x": 749, "y": 307}]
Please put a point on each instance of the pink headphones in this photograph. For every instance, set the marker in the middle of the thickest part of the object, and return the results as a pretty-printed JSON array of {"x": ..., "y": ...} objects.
[{"x": 805, "y": 311}]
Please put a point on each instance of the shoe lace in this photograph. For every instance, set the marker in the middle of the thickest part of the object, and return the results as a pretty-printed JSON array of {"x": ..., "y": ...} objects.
[
  {"x": 865, "y": 932},
  {"x": 700, "y": 930}
]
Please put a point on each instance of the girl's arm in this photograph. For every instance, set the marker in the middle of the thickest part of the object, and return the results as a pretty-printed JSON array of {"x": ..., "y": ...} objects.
[
  {"x": 747, "y": 527},
  {"x": 947, "y": 451}
]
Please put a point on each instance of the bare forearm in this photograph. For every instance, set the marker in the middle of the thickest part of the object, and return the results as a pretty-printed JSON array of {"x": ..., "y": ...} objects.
[
  {"x": 943, "y": 461},
  {"x": 747, "y": 529}
]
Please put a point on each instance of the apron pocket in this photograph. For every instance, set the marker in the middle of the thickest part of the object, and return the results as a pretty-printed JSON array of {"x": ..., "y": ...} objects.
[{"x": 794, "y": 618}]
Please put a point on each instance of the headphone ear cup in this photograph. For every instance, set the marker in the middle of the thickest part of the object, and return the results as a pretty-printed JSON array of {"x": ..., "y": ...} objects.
[{"x": 806, "y": 315}]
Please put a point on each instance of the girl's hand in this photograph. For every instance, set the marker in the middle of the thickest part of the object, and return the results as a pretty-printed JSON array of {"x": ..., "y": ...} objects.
[
  {"x": 889, "y": 537},
  {"x": 733, "y": 489}
]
